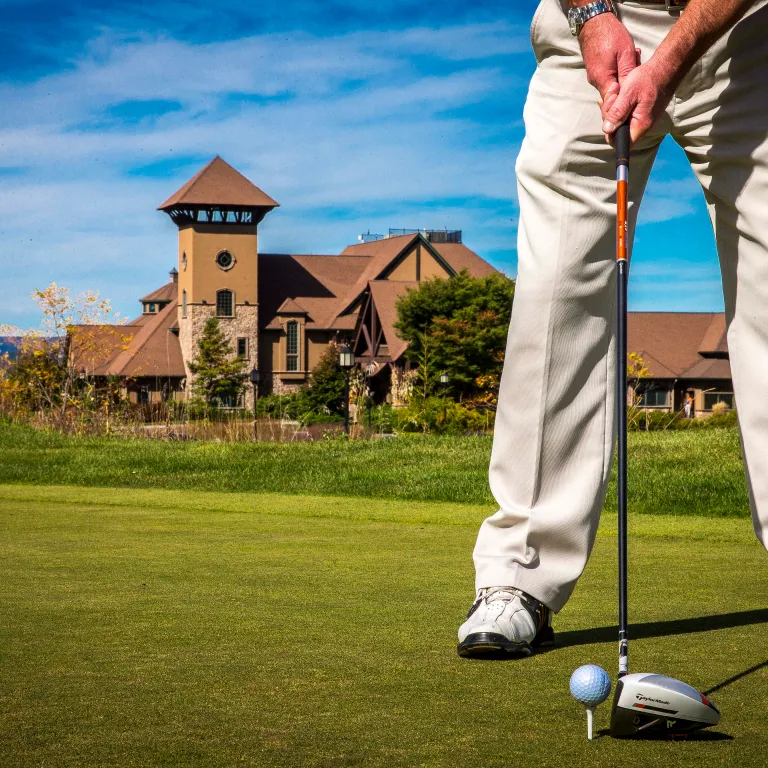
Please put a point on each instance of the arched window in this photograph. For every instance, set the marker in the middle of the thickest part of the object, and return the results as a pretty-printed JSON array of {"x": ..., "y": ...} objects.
[
  {"x": 225, "y": 304},
  {"x": 292, "y": 346},
  {"x": 184, "y": 303}
]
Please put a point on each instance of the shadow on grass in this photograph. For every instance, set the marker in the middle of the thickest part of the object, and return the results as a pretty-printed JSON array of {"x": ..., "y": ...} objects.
[
  {"x": 733, "y": 679},
  {"x": 695, "y": 736},
  {"x": 662, "y": 628}
]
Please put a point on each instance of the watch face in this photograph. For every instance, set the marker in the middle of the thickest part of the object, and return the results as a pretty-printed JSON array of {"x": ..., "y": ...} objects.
[{"x": 225, "y": 260}]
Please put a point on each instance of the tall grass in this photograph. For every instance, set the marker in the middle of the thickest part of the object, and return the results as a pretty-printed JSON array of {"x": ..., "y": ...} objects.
[{"x": 680, "y": 473}]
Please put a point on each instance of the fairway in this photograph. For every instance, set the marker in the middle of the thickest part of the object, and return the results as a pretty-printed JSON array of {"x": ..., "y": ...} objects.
[{"x": 145, "y": 627}]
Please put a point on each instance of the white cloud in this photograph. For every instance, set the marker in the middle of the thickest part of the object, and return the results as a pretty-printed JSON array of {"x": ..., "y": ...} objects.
[{"x": 368, "y": 123}]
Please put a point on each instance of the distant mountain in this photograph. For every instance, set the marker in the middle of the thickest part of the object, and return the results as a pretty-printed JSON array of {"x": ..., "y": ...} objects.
[{"x": 9, "y": 344}]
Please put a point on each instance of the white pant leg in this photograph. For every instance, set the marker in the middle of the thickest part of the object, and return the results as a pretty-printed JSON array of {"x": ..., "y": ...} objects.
[
  {"x": 722, "y": 124},
  {"x": 555, "y": 424}
]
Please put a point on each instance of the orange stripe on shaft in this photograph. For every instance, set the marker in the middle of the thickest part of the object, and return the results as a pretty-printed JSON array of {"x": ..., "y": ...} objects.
[{"x": 621, "y": 220}]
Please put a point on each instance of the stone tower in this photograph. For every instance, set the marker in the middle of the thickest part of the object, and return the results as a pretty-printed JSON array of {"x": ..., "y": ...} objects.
[{"x": 218, "y": 212}]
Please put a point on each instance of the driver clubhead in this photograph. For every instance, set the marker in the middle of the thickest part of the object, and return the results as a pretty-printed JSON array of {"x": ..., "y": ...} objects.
[{"x": 655, "y": 706}]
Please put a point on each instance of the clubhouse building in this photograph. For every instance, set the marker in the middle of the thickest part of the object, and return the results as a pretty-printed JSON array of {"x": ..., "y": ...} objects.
[{"x": 279, "y": 311}]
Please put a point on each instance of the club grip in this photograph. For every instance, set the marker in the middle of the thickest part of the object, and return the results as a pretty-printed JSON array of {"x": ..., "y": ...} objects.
[{"x": 621, "y": 137}]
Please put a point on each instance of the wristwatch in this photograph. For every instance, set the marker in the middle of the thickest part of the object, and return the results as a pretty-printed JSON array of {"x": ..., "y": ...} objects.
[{"x": 578, "y": 17}]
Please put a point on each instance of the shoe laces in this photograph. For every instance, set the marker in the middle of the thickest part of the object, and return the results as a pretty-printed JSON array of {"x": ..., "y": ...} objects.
[{"x": 507, "y": 594}]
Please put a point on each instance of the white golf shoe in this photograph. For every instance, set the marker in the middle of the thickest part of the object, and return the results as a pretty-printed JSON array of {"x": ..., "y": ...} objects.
[{"x": 505, "y": 621}]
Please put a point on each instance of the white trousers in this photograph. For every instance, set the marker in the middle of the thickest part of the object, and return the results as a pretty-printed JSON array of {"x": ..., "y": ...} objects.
[{"x": 555, "y": 427}]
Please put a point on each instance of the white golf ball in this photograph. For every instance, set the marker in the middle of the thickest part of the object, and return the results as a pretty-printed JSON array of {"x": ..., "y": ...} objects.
[{"x": 590, "y": 685}]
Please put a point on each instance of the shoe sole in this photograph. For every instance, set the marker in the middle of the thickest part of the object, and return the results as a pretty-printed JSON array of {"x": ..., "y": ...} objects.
[{"x": 490, "y": 645}]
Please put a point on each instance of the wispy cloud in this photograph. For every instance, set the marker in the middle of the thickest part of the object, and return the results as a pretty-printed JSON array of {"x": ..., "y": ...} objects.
[
  {"x": 353, "y": 120},
  {"x": 348, "y": 131}
]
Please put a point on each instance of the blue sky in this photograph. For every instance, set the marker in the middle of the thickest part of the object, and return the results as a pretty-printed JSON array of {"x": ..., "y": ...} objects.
[{"x": 354, "y": 117}]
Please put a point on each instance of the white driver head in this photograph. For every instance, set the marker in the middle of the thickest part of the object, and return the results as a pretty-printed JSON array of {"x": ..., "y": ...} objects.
[{"x": 648, "y": 704}]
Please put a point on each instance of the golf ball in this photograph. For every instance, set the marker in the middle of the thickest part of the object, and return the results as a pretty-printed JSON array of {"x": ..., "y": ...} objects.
[{"x": 590, "y": 685}]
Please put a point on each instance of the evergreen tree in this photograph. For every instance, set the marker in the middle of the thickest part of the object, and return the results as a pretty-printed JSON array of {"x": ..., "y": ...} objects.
[
  {"x": 218, "y": 375},
  {"x": 326, "y": 389}
]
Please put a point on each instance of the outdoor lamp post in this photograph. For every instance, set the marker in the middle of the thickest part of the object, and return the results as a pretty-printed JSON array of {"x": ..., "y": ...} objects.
[
  {"x": 255, "y": 378},
  {"x": 444, "y": 379},
  {"x": 346, "y": 363}
]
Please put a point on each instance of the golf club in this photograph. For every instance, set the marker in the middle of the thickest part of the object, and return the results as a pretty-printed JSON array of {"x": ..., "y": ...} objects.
[{"x": 644, "y": 704}]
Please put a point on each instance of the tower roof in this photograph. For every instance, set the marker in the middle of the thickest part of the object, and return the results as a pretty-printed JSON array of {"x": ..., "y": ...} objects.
[{"x": 219, "y": 184}]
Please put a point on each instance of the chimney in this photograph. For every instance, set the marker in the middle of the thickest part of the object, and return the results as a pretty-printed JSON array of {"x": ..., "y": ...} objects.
[{"x": 174, "y": 275}]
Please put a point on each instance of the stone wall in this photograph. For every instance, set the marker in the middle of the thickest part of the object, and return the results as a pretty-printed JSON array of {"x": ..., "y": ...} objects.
[
  {"x": 245, "y": 324},
  {"x": 281, "y": 387}
]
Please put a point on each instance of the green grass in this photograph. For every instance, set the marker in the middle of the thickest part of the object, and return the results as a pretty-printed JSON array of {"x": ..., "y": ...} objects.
[
  {"x": 693, "y": 472},
  {"x": 144, "y": 627}
]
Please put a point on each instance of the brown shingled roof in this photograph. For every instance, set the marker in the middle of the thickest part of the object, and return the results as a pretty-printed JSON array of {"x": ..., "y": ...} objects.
[
  {"x": 145, "y": 347},
  {"x": 92, "y": 348},
  {"x": 714, "y": 343},
  {"x": 154, "y": 351},
  {"x": 291, "y": 307},
  {"x": 675, "y": 344},
  {"x": 385, "y": 294},
  {"x": 383, "y": 252},
  {"x": 314, "y": 282},
  {"x": 219, "y": 184},
  {"x": 168, "y": 292}
]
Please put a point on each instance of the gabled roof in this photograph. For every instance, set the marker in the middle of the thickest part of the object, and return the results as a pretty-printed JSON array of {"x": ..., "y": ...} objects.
[
  {"x": 315, "y": 283},
  {"x": 291, "y": 307},
  {"x": 219, "y": 184},
  {"x": 381, "y": 254},
  {"x": 168, "y": 292},
  {"x": 154, "y": 351},
  {"x": 385, "y": 294},
  {"x": 145, "y": 347},
  {"x": 675, "y": 345}
]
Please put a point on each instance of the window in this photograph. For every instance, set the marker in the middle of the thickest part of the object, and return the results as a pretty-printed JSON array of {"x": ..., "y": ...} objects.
[
  {"x": 242, "y": 347},
  {"x": 710, "y": 398},
  {"x": 292, "y": 346},
  {"x": 184, "y": 303},
  {"x": 224, "y": 304},
  {"x": 653, "y": 398},
  {"x": 152, "y": 308},
  {"x": 184, "y": 261},
  {"x": 143, "y": 396}
]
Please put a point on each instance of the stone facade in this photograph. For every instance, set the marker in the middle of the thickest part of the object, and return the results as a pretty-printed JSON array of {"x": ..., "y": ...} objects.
[
  {"x": 245, "y": 324},
  {"x": 281, "y": 387}
]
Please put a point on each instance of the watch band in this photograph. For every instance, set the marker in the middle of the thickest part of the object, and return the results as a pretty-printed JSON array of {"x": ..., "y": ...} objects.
[{"x": 578, "y": 17}]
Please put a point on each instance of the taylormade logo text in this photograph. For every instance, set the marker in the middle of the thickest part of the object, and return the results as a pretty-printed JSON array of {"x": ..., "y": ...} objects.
[{"x": 645, "y": 698}]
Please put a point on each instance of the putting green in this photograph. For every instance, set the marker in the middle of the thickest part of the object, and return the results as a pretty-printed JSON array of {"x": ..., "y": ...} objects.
[{"x": 174, "y": 628}]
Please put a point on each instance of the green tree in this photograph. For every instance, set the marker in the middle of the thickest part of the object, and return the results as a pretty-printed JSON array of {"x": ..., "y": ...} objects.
[
  {"x": 218, "y": 374},
  {"x": 461, "y": 324},
  {"x": 326, "y": 388}
]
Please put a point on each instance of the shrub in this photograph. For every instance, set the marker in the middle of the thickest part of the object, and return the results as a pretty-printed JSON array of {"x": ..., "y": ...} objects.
[{"x": 442, "y": 416}]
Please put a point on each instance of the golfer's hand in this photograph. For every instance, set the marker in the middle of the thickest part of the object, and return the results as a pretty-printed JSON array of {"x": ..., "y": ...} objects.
[
  {"x": 643, "y": 97},
  {"x": 609, "y": 56}
]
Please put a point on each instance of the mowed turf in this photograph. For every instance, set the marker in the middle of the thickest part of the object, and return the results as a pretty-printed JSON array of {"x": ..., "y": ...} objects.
[
  {"x": 182, "y": 628},
  {"x": 695, "y": 472}
]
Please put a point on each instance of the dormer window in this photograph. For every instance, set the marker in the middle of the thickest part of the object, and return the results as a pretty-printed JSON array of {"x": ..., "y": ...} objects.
[{"x": 153, "y": 307}]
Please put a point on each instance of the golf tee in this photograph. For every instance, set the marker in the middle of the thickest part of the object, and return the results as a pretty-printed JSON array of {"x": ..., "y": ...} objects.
[{"x": 590, "y": 716}]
